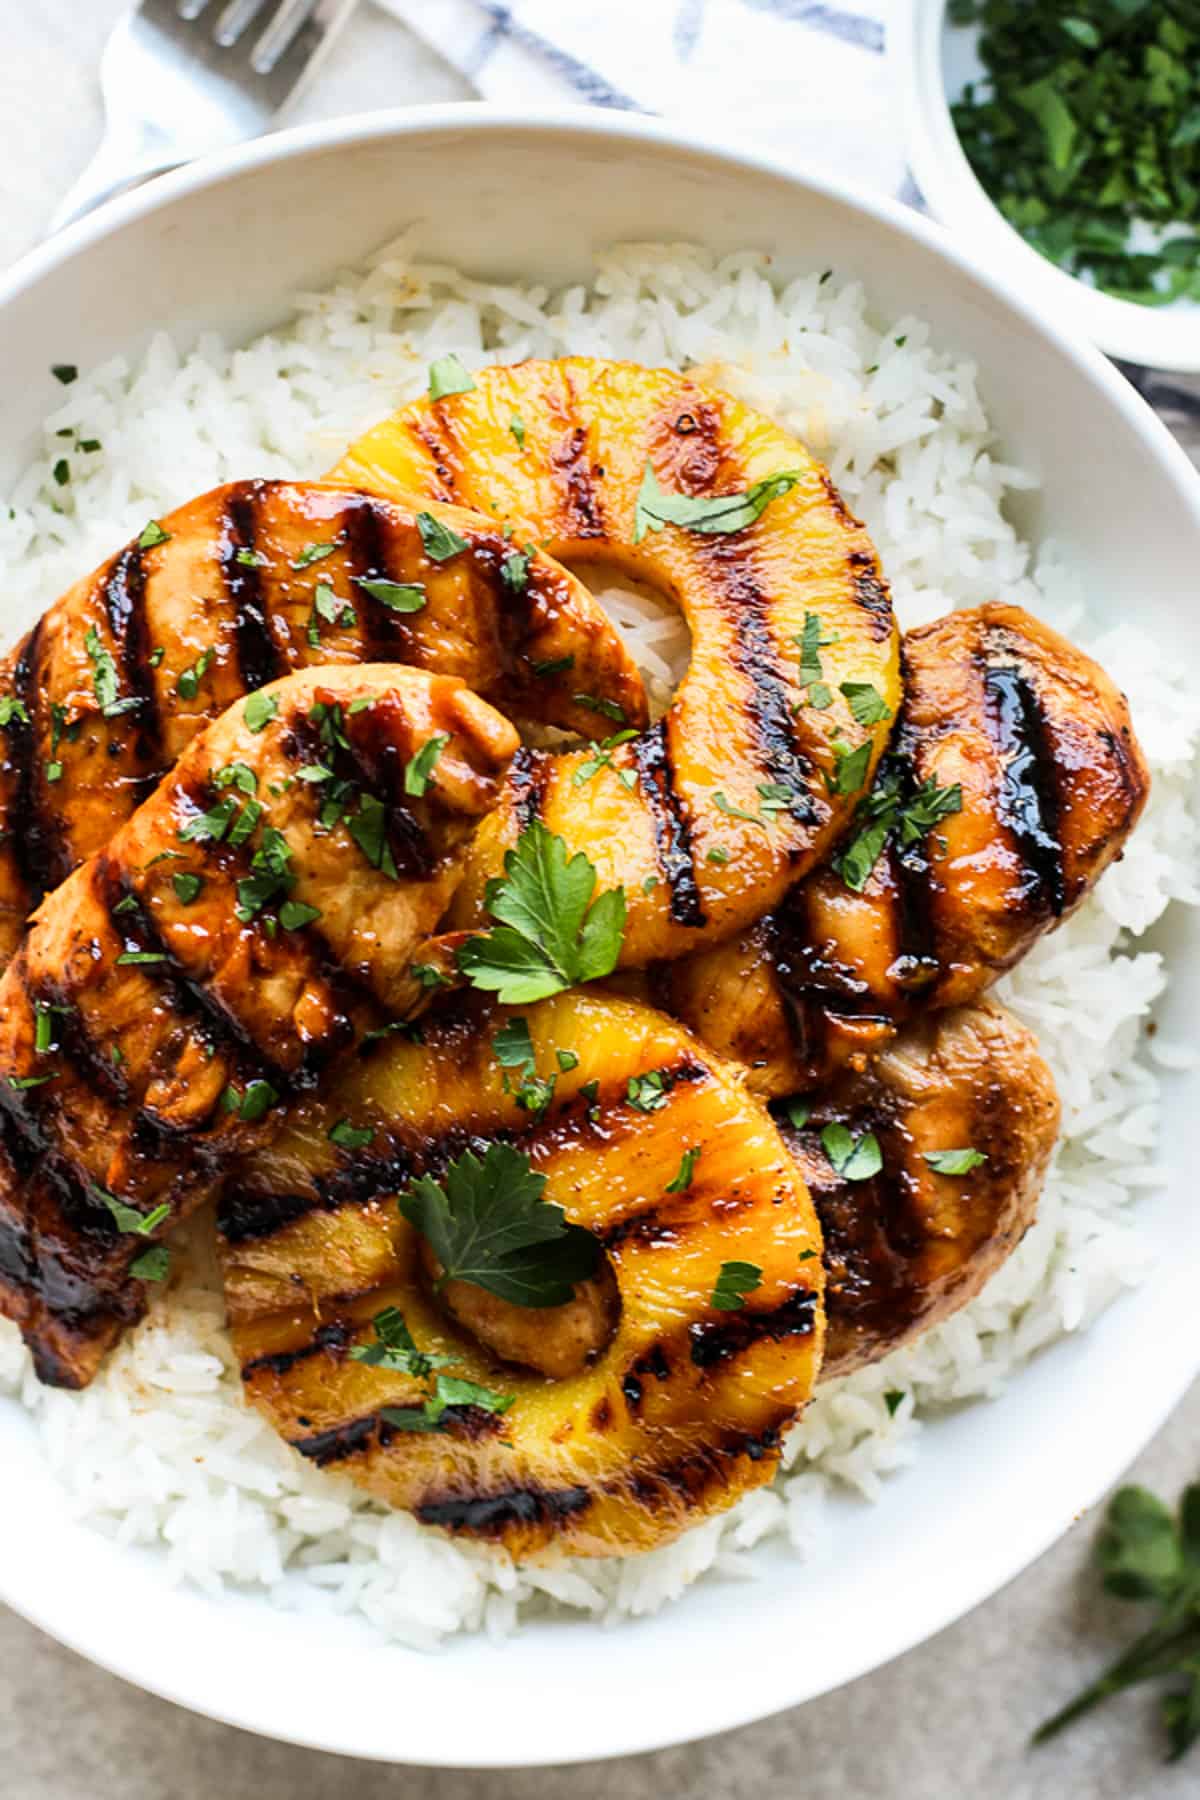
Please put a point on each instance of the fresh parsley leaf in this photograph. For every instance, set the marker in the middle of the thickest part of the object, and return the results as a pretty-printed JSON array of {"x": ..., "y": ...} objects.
[
  {"x": 152, "y": 535},
  {"x": 556, "y": 665},
  {"x": 514, "y": 570},
  {"x": 259, "y": 710},
  {"x": 440, "y": 542},
  {"x": 488, "y": 1223},
  {"x": 294, "y": 915},
  {"x": 601, "y": 758},
  {"x": 128, "y": 1218},
  {"x": 350, "y": 1137},
  {"x": 550, "y": 934},
  {"x": 927, "y": 808},
  {"x": 854, "y": 1159},
  {"x": 153, "y": 1264},
  {"x": 21, "y": 1083},
  {"x": 518, "y": 430},
  {"x": 726, "y": 806},
  {"x": 717, "y": 855},
  {"x": 369, "y": 829},
  {"x": 893, "y": 1399},
  {"x": 681, "y": 1182},
  {"x": 313, "y": 553},
  {"x": 105, "y": 684},
  {"x": 64, "y": 372},
  {"x": 513, "y": 1045},
  {"x": 428, "y": 975},
  {"x": 187, "y": 887},
  {"x": 866, "y": 702},
  {"x": 420, "y": 767},
  {"x": 648, "y": 1093},
  {"x": 566, "y": 1060},
  {"x": 61, "y": 472},
  {"x": 252, "y": 1103},
  {"x": 249, "y": 559},
  {"x": 607, "y": 709},
  {"x": 43, "y": 1029},
  {"x": 796, "y": 1113},
  {"x": 954, "y": 1162},
  {"x": 237, "y": 775},
  {"x": 11, "y": 708},
  {"x": 188, "y": 685},
  {"x": 136, "y": 958},
  {"x": 447, "y": 376},
  {"x": 849, "y": 767},
  {"x": 401, "y": 596},
  {"x": 735, "y": 1281},
  {"x": 707, "y": 513}
]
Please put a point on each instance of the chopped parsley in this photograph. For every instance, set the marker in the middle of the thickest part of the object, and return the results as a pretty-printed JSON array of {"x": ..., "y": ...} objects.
[
  {"x": 259, "y": 710},
  {"x": 64, "y": 372},
  {"x": 549, "y": 932},
  {"x": 152, "y": 534},
  {"x": 428, "y": 976},
  {"x": 514, "y": 570},
  {"x": 188, "y": 685},
  {"x": 294, "y": 915},
  {"x": 128, "y": 1218},
  {"x": 954, "y": 1162},
  {"x": 400, "y": 596},
  {"x": 153, "y": 1264},
  {"x": 849, "y": 766},
  {"x": 708, "y": 513},
  {"x": 105, "y": 684},
  {"x": 601, "y": 758},
  {"x": 648, "y": 1093},
  {"x": 796, "y": 1113},
  {"x": 866, "y": 702},
  {"x": 608, "y": 709},
  {"x": 440, "y": 542},
  {"x": 251, "y": 1104},
  {"x": 556, "y": 665},
  {"x": 448, "y": 376},
  {"x": 329, "y": 610},
  {"x": 883, "y": 812},
  {"x": 134, "y": 958},
  {"x": 717, "y": 855},
  {"x": 238, "y": 775},
  {"x": 187, "y": 887},
  {"x": 893, "y": 1400},
  {"x": 488, "y": 1223},
  {"x": 854, "y": 1159},
  {"x": 350, "y": 1137},
  {"x": 420, "y": 767},
  {"x": 11, "y": 708},
  {"x": 314, "y": 553},
  {"x": 735, "y": 1281},
  {"x": 682, "y": 1181},
  {"x": 517, "y": 428}
]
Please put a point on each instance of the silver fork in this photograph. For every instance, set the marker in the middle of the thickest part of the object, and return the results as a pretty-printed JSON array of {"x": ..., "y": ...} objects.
[{"x": 182, "y": 77}]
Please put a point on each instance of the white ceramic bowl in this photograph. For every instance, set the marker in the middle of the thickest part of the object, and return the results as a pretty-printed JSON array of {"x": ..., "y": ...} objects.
[
  {"x": 933, "y": 61},
  {"x": 223, "y": 246}
]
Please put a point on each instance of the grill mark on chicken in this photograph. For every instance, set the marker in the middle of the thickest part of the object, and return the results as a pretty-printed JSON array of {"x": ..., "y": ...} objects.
[
  {"x": 258, "y": 654},
  {"x": 528, "y": 774},
  {"x": 73, "y": 1041},
  {"x": 33, "y": 832},
  {"x": 181, "y": 993},
  {"x": 125, "y": 608},
  {"x": 1028, "y": 801},
  {"x": 715, "y": 1341},
  {"x": 651, "y": 753}
]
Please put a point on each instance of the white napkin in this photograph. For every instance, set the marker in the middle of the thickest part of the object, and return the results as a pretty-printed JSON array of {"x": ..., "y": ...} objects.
[{"x": 806, "y": 79}]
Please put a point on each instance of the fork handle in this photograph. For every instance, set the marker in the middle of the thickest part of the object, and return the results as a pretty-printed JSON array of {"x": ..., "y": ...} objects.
[{"x": 124, "y": 159}]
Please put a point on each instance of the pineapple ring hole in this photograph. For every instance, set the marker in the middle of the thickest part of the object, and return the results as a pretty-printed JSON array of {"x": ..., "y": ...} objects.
[{"x": 557, "y": 1341}]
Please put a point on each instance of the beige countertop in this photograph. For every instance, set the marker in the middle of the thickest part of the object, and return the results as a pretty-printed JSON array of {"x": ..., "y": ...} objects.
[{"x": 950, "y": 1719}]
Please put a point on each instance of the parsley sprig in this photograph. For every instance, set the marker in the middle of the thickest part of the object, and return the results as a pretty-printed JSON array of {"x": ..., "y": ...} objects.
[
  {"x": 885, "y": 811},
  {"x": 488, "y": 1223},
  {"x": 393, "y": 1347},
  {"x": 550, "y": 933},
  {"x": 709, "y": 513},
  {"x": 1149, "y": 1554}
]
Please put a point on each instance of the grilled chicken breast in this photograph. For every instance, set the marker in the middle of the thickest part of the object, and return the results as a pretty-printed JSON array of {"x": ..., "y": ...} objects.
[
  {"x": 1037, "y": 741},
  {"x": 678, "y": 1405},
  {"x": 707, "y": 817},
  {"x": 255, "y": 915},
  {"x": 241, "y": 586},
  {"x": 909, "y": 1245}
]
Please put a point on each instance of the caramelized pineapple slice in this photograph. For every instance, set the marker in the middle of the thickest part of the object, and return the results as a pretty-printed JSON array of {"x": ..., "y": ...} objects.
[{"x": 675, "y": 1408}]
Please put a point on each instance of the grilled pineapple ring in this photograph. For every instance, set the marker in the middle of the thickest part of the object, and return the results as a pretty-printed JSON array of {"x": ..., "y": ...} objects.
[
  {"x": 679, "y": 1414},
  {"x": 729, "y": 799}
]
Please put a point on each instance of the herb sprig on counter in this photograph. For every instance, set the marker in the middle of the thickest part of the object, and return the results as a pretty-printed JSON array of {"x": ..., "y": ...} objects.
[
  {"x": 1148, "y": 1553},
  {"x": 1090, "y": 120}
]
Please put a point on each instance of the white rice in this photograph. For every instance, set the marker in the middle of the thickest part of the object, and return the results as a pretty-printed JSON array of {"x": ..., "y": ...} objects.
[{"x": 161, "y": 1450}]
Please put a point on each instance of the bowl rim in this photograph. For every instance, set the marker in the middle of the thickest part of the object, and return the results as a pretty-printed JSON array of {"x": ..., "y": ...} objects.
[
  {"x": 1151, "y": 336},
  {"x": 43, "y": 1605}
]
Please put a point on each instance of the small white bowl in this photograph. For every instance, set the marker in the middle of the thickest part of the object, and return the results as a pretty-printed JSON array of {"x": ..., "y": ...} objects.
[
  {"x": 223, "y": 246},
  {"x": 934, "y": 60}
]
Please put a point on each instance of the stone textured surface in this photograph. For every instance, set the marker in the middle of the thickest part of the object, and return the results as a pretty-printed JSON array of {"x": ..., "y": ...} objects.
[{"x": 950, "y": 1719}]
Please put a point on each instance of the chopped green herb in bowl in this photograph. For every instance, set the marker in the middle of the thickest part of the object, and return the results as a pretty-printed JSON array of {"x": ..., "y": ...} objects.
[{"x": 1085, "y": 133}]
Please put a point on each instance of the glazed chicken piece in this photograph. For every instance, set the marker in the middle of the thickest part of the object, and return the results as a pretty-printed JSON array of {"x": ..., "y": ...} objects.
[
  {"x": 252, "y": 919},
  {"x": 707, "y": 817},
  {"x": 664, "y": 1407},
  {"x": 909, "y": 1245},
  {"x": 1016, "y": 779},
  {"x": 246, "y": 584}
]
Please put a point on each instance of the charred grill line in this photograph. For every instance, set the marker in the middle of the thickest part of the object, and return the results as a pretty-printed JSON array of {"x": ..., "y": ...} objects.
[
  {"x": 870, "y": 589},
  {"x": 581, "y": 516},
  {"x": 325, "y": 1447},
  {"x": 1028, "y": 800},
  {"x": 366, "y": 555},
  {"x": 33, "y": 830},
  {"x": 335, "y": 1337},
  {"x": 125, "y": 607},
  {"x": 75, "y": 1043},
  {"x": 716, "y": 1340},
  {"x": 651, "y": 753},
  {"x": 491, "y": 1514},
  {"x": 768, "y": 697},
  {"x": 527, "y": 776},
  {"x": 258, "y": 654}
]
